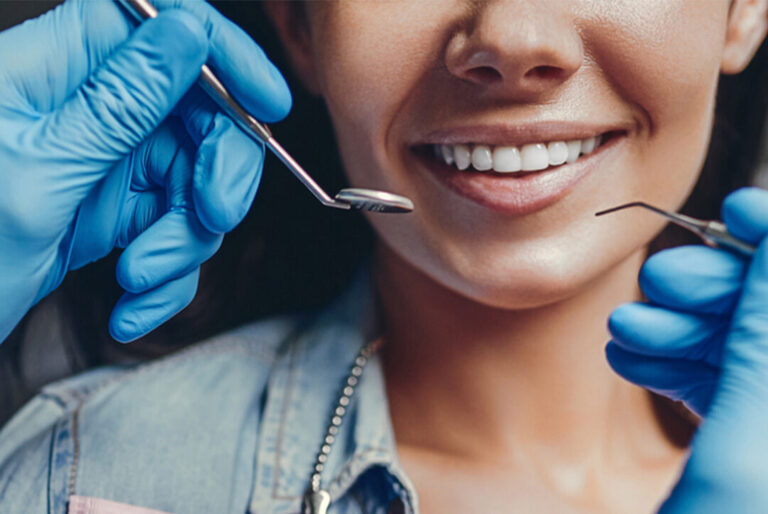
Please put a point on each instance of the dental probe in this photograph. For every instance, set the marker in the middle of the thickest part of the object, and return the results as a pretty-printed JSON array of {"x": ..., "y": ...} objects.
[
  {"x": 713, "y": 232},
  {"x": 363, "y": 199}
]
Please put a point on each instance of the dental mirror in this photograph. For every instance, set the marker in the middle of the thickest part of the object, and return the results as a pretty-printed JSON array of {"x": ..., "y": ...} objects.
[{"x": 374, "y": 201}]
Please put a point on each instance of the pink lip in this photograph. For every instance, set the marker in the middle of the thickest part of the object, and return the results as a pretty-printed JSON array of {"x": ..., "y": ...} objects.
[
  {"x": 519, "y": 134},
  {"x": 518, "y": 194}
]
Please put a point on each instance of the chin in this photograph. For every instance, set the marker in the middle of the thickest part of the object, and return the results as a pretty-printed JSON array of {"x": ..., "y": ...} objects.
[
  {"x": 527, "y": 287},
  {"x": 525, "y": 265},
  {"x": 515, "y": 282}
]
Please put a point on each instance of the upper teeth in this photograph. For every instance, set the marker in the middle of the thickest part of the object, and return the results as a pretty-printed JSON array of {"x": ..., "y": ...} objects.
[{"x": 509, "y": 159}]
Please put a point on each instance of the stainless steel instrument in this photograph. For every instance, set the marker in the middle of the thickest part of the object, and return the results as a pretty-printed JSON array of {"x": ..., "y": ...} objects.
[{"x": 712, "y": 232}]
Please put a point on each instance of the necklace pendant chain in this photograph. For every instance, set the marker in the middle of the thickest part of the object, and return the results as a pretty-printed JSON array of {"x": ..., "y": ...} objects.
[{"x": 316, "y": 500}]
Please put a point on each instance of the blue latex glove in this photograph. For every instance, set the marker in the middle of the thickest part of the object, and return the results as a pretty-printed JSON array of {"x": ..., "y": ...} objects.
[
  {"x": 105, "y": 141},
  {"x": 703, "y": 339}
]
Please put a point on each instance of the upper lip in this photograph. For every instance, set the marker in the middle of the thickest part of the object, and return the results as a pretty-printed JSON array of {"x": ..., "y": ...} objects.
[{"x": 519, "y": 134}]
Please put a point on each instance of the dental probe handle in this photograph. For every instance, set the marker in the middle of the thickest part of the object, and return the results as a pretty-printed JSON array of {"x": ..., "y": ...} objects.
[
  {"x": 716, "y": 234},
  {"x": 258, "y": 131}
]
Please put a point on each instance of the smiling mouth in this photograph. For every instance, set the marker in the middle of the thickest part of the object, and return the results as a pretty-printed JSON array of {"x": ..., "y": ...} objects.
[
  {"x": 521, "y": 179},
  {"x": 518, "y": 160}
]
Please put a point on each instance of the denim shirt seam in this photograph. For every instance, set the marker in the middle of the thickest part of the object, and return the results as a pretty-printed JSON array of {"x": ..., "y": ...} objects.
[
  {"x": 62, "y": 467},
  {"x": 285, "y": 405}
]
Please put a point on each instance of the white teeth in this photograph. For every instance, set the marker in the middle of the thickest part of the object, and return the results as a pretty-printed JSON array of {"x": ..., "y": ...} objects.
[
  {"x": 574, "y": 150},
  {"x": 506, "y": 159},
  {"x": 534, "y": 157},
  {"x": 447, "y": 153},
  {"x": 462, "y": 156},
  {"x": 587, "y": 145},
  {"x": 482, "y": 160},
  {"x": 558, "y": 153},
  {"x": 511, "y": 159}
]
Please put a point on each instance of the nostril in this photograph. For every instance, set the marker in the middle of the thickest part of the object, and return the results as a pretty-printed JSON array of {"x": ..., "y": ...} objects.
[
  {"x": 544, "y": 72},
  {"x": 484, "y": 74}
]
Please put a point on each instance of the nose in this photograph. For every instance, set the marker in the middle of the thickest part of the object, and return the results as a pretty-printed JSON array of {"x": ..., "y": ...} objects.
[{"x": 521, "y": 48}]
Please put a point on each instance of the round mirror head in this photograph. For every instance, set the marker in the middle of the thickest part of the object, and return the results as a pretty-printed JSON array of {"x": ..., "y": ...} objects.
[{"x": 374, "y": 201}]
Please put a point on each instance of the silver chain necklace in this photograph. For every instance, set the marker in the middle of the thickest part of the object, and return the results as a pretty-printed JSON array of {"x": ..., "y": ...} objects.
[{"x": 316, "y": 500}]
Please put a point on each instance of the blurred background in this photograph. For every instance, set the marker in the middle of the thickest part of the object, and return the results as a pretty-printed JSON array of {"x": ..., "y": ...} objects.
[{"x": 290, "y": 253}]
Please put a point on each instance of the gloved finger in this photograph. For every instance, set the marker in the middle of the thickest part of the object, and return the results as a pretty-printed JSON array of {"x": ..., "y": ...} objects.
[
  {"x": 125, "y": 99},
  {"x": 52, "y": 65},
  {"x": 142, "y": 210},
  {"x": 228, "y": 166},
  {"x": 660, "y": 332},
  {"x": 197, "y": 110},
  {"x": 135, "y": 315},
  {"x": 745, "y": 213},
  {"x": 240, "y": 63},
  {"x": 61, "y": 49},
  {"x": 131, "y": 197},
  {"x": 169, "y": 147},
  {"x": 166, "y": 161},
  {"x": 227, "y": 174},
  {"x": 694, "y": 278},
  {"x": 172, "y": 247},
  {"x": 692, "y": 382}
]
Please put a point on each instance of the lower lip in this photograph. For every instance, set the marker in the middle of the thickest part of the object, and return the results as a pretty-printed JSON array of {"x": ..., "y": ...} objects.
[{"x": 519, "y": 194}]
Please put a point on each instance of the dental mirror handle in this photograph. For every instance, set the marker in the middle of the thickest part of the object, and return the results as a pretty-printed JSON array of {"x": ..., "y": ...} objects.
[
  {"x": 210, "y": 83},
  {"x": 260, "y": 132}
]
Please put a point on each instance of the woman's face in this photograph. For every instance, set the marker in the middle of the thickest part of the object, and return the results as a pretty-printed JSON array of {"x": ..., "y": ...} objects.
[{"x": 490, "y": 79}]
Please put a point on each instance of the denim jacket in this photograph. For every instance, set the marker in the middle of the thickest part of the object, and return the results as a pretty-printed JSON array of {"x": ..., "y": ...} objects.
[{"x": 231, "y": 425}]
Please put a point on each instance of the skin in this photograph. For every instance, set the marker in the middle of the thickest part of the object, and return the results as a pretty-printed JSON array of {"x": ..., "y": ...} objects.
[{"x": 500, "y": 395}]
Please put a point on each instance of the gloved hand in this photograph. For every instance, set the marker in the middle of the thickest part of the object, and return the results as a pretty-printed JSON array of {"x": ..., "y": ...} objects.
[
  {"x": 703, "y": 339},
  {"x": 105, "y": 141}
]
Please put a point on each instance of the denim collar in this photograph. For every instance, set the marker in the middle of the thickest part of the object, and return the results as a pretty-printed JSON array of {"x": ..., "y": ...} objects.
[{"x": 303, "y": 389}]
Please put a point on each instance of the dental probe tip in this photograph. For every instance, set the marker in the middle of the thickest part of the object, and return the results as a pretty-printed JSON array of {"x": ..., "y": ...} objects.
[{"x": 624, "y": 206}]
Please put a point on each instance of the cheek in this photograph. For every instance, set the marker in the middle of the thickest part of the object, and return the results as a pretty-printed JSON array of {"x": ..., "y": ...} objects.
[
  {"x": 663, "y": 55},
  {"x": 368, "y": 69}
]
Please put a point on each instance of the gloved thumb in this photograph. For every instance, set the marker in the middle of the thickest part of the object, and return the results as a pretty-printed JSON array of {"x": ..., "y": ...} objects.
[
  {"x": 745, "y": 213},
  {"x": 125, "y": 99}
]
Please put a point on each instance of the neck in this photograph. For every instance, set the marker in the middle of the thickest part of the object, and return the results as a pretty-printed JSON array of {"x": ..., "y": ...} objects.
[{"x": 481, "y": 382}]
